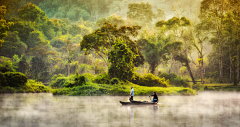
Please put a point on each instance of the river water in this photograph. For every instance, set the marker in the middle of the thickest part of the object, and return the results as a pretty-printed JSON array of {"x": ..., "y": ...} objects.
[{"x": 208, "y": 109}]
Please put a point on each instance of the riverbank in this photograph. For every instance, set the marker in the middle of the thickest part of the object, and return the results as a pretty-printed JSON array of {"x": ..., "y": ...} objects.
[
  {"x": 31, "y": 86},
  {"x": 93, "y": 89},
  {"x": 220, "y": 87}
]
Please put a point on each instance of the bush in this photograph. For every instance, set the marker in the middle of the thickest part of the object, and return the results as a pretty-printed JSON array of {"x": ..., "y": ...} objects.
[
  {"x": 102, "y": 79},
  {"x": 61, "y": 81},
  {"x": 174, "y": 80},
  {"x": 150, "y": 80},
  {"x": 15, "y": 79},
  {"x": 3, "y": 81},
  {"x": 33, "y": 86},
  {"x": 114, "y": 81},
  {"x": 79, "y": 80}
]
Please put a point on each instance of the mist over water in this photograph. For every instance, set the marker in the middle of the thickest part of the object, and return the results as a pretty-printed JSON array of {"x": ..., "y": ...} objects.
[{"x": 213, "y": 109}]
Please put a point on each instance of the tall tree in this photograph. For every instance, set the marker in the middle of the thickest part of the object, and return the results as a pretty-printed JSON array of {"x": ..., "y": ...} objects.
[
  {"x": 154, "y": 49},
  {"x": 103, "y": 42},
  {"x": 4, "y": 25},
  {"x": 212, "y": 13},
  {"x": 140, "y": 12}
]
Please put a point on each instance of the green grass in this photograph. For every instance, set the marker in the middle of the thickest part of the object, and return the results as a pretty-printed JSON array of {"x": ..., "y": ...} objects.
[
  {"x": 93, "y": 89},
  {"x": 220, "y": 87},
  {"x": 31, "y": 86}
]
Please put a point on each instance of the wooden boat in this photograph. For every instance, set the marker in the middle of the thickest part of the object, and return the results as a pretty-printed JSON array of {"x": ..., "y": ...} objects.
[{"x": 138, "y": 103}]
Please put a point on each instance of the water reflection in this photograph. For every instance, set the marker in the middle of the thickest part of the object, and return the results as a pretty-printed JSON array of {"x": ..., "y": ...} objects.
[{"x": 41, "y": 110}]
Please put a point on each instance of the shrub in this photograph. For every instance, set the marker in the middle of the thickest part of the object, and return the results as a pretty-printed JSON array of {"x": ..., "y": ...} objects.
[
  {"x": 102, "y": 79},
  {"x": 114, "y": 81},
  {"x": 174, "y": 80},
  {"x": 3, "y": 81},
  {"x": 79, "y": 80},
  {"x": 62, "y": 81},
  {"x": 89, "y": 77},
  {"x": 149, "y": 80},
  {"x": 33, "y": 86},
  {"x": 152, "y": 80},
  {"x": 15, "y": 79}
]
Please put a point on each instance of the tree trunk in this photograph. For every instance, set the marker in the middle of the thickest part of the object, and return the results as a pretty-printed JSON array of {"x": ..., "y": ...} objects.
[
  {"x": 238, "y": 64},
  {"x": 201, "y": 69},
  {"x": 230, "y": 67},
  {"x": 220, "y": 64},
  {"x": 171, "y": 63},
  {"x": 234, "y": 74},
  {"x": 190, "y": 73}
]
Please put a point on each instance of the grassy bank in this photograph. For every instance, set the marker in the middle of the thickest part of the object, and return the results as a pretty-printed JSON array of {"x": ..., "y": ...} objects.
[
  {"x": 219, "y": 87},
  {"x": 31, "y": 86},
  {"x": 92, "y": 89}
]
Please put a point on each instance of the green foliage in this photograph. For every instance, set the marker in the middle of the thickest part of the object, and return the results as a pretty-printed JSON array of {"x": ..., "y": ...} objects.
[
  {"x": 33, "y": 13},
  {"x": 114, "y": 81},
  {"x": 121, "y": 59},
  {"x": 23, "y": 28},
  {"x": 31, "y": 86},
  {"x": 60, "y": 81},
  {"x": 3, "y": 80},
  {"x": 140, "y": 12},
  {"x": 76, "y": 29},
  {"x": 174, "y": 80},
  {"x": 91, "y": 89},
  {"x": 58, "y": 42},
  {"x": 13, "y": 46},
  {"x": 79, "y": 80},
  {"x": 152, "y": 80},
  {"x": 113, "y": 19},
  {"x": 7, "y": 65},
  {"x": 33, "y": 38},
  {"x": 154, "y": 49},
  {"x": 101, "y": 79},
  {"x": 89, "y": 77},
  {"x": 4, "y": 25},
  {"x": 15, "y": 79},
  {"x": 75, "y": 13},
  {"x": 39, "y": 69}
]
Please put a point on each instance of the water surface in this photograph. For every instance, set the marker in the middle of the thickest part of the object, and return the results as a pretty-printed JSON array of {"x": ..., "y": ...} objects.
[{"x": 215, "y": 109}]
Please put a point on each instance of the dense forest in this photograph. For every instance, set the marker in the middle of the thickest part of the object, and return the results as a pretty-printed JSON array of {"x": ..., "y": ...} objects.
[{"x": 66, "y": 43}]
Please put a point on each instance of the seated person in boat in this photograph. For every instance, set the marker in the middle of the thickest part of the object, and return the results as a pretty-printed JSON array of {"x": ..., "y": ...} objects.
[{"x": 155, "y": 97}]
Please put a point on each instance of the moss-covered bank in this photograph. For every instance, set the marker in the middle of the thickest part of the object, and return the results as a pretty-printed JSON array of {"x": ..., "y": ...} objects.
[
  {"x": 31, "y": 86},
  {"x": 93, "y": 89}
]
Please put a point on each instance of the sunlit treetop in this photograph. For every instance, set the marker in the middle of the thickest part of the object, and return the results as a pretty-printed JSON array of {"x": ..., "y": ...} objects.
[
  {"x": 174, "y": 22},
  {"x": 31, "y": 12}
]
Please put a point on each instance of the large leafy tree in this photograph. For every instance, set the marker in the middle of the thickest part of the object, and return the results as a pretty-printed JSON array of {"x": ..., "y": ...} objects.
[
  {"x": 122, "y": 61},
  {"x": 212, "y": 13},
  {"x": 31, "y": 12},
  {"x": 140, "y": 12},
  {"x": 12, "y": 46},
  {"x": 102, "y": 41},
  {"x": 4, "y": 25},
  {"x": 154, "y": 50},
  {"x": 177, "y": 29}
]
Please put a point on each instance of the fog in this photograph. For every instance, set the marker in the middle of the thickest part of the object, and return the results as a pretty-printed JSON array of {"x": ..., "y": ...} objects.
[{"x": 205, "y": 109}]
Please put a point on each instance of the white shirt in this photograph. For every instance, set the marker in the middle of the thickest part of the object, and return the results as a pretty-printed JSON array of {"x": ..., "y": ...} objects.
[{"x": 132, "y": 91}]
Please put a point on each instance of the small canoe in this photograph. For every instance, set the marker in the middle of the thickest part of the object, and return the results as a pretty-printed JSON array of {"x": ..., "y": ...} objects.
[{"x": 138, "y": 103}]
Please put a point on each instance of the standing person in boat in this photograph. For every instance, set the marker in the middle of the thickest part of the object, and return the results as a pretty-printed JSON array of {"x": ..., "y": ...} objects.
[
  {"x": 131, "y": 93},
  {"x": 155, "y": 97}
]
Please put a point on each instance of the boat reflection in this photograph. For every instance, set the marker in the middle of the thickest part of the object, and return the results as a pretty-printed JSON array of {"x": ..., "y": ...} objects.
[{"x": 133, "y": 109}]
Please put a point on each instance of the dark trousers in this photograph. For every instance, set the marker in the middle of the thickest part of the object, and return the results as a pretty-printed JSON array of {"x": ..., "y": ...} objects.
[{"x": 131, "y": 98}]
